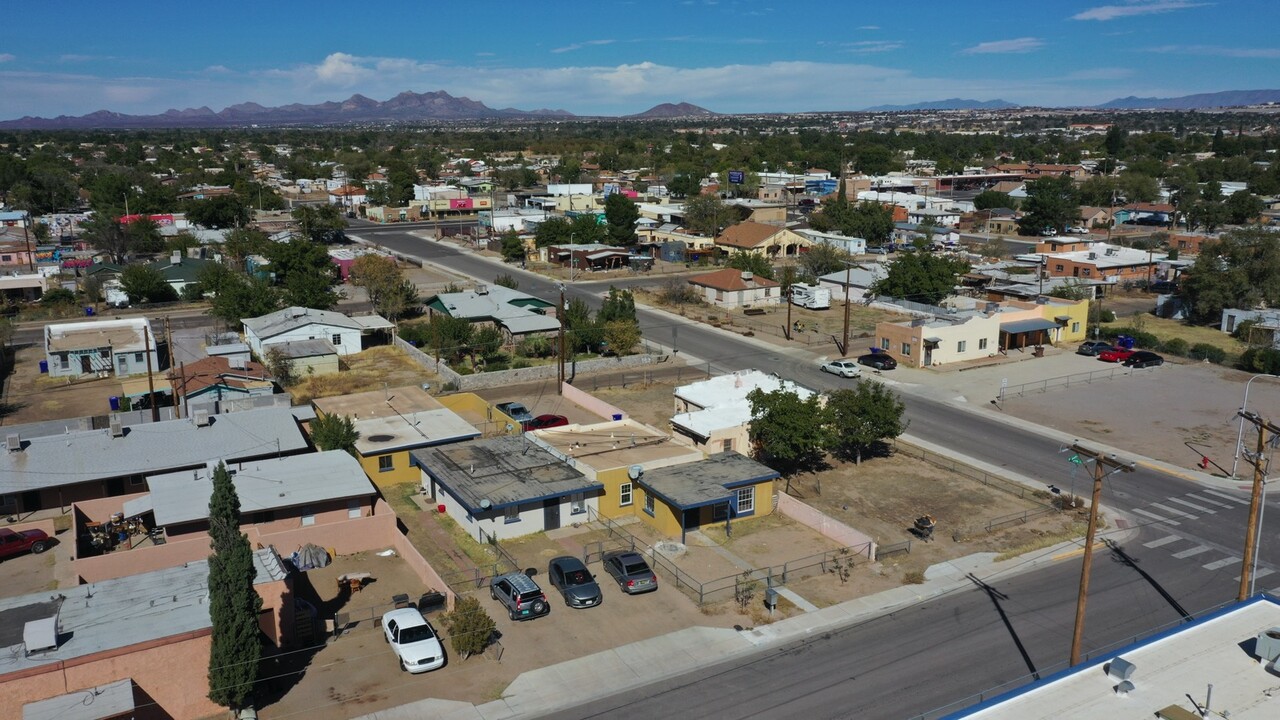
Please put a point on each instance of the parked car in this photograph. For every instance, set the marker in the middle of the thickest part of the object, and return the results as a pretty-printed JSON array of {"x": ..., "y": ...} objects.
[
  {"x": 574, "y": 581},
  {"x": 1115, "y": 355},
  {"x": 1143, "y": 359},
  {"x": 1093, "y": 347},
  {"x": 842, "y": 367},
  {"x": 413, "y": 639},
  {"x": 1163, "y": 287},
  {"x": 17, "y": 542},
  {"x": 631, "y": 572},
  {"x": 882, "y": 250},
  {"x": 516, "y": 411},
  {"x": 546, "y": 421},
  {"x": 879, "y": 361},
  {"x": 520, "y": 595}
]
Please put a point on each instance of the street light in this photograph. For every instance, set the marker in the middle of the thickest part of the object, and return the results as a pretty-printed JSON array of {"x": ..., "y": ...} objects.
[{"x": 1235, "y": 462}]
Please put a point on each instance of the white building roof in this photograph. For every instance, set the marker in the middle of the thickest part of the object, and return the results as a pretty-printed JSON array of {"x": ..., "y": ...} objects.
[
  {"x": 272, "y": 484},
  {"x": 291, "y": 318},
  {"x": 1102, "y": 256},
  {"x": 1169, "y": 669},
  {"x": 723, "y": 400}
]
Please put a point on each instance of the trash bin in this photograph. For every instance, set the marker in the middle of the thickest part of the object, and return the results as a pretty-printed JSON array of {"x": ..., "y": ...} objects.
[
  {"x": 115, "y": 403},
  {"x": 44, "y": 366},
  {"x": 88, "y": 312}
]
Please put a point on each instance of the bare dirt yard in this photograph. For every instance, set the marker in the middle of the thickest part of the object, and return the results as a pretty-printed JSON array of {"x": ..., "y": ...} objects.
[
  {"x": 368, "y": 370},
  {"x": 36, "y": 397}
]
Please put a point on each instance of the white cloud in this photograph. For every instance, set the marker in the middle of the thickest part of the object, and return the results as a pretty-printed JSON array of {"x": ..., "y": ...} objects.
[
  {"x": 342, "y": 70},
  {"x": 1111, "y": 12},
  {"x": 75, "y": 58},
  {"x": 1016, "y": 45},
  {"x": 873, "y": 46},
  {"x": 868, "y": 27},
  {"x": 579, "y": 46},
  {"x": 1217, "y": 50},
  {"x": 7, "y": 57},
  {"x": 217, "y": 70}
]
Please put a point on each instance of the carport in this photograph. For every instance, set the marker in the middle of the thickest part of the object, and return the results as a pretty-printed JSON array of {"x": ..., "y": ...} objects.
[{"x": 1021, "y": 333}]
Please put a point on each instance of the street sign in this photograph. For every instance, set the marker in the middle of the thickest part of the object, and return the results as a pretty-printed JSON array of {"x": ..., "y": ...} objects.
[
  {"x": 1076, "y": 459},
  {"x": 736, "y": 176}
]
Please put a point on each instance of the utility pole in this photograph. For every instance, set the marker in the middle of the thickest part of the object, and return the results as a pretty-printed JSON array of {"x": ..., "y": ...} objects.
[
  {"x": 848, "y": 265},
  {"x": 168, "y": 342},
  {"x": 1251, "y": 531},
  {"x": 151, "y": 385},
  {"x": 31, "y": 257},
  {"x": 560, "y": 314},
  {"x": 1100, "y": 464}
]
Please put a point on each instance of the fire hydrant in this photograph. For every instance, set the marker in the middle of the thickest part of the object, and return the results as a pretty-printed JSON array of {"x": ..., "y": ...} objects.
[{"x": 1204, "y": 462}]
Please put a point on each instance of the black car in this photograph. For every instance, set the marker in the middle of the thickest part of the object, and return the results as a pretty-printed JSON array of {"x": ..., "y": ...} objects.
[
  {"x": 571, "y": 578},
  {"x": 879, "y": 361},
  {"x": 1093, "y": 347},
  {"x": 630, "y": 571},
  {"x": 1143, "y": 359}
]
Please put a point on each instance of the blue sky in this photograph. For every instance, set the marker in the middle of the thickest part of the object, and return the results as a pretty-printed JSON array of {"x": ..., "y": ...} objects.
[{"x": 73, "y": 57}]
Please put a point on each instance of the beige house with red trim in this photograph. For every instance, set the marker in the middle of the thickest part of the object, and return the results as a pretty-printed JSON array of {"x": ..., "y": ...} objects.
[
  {"x": 733, "y": 288},
  {"x": 771, "y": 240}
]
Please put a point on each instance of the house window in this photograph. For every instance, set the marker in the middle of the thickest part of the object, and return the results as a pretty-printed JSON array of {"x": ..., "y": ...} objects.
[
  {"x": 308, "y": 517},
  {"x": 337, "y": 340},
  {"x": 884, "y": 343},
  {"x": 353, "y": 508},
  {"x": 64, "y": 361},
  {"x": 982, "y": 343},
  {"x": 123, "y": 362},
  {"x": 104, "y": 354},
  {"x": 648, "y": 502},
  {"x": 511, "y": 514},
  {"x": 720, "y": 511},
  {"x": 768, "y": 292},
  {"x": 136, "y": 481},
  {"x": 624, "y": 494},
  {"x": 137, "y": 357},
  {"x": 719, "y": 295},
  {"x": 1075, "y": 327},
  {"x": 960, "y": 345},
  {"x": 6, "y": 258},
  {"x": 386, "y": 463},
  {"x": 1058, "y": 268},
  {"x": 1085, "y": 272},
  {"x": 577, "y": 504},
  {"x": 726, "y": 445},
  {"x": 746, "y": 500},
  {"x": 906, "y": 349}
]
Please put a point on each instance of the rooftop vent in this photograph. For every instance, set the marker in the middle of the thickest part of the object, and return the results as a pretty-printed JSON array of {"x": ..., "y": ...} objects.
[
  {"x": 482, "y": 289},
  {"x": 748, "y": 276},
  {"x": 200, "y": 418},
  {"x": 1093, "y": 256},
  {"x": 1268, "y": 645},
  {"x": 117, "y": 427},
  {"x": 1120, "y": 669},
  {"x": 13, "y": 442},
  {"x": 175, "y": 257},
  {"x": 40, "y": 634}
]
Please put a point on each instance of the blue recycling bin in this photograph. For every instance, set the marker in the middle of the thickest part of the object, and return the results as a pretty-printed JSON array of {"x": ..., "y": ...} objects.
[
  {"x": 88, "y": 312},
  {"x": 44, "y": 366},
  {"x": 115, "y": 403}
]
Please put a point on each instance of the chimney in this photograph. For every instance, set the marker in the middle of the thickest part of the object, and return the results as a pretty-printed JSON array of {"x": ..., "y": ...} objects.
[
  {"x": 13, "y": 441},
  {"x": 175, "y": 257},
  {"x": 748, "y": 276},
  {"x": 117, "y": 428}
]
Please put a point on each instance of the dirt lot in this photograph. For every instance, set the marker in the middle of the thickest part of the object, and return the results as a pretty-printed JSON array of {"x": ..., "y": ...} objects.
[
  {"x": 368, "y": 370},
  {"x": 26, "y": 574},
  {"x": 36, "y": 397}
]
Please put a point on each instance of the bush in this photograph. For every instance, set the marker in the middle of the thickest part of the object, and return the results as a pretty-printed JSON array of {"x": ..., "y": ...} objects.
[
  {"x": 519, "y": 364},
  {"x": 1175, "y": 346},
  {"x": 535, "y": 347},
  {"x": 1205, "y": 351},
  {"x": 1261, "y": 360},
  {"x": 470, "y": 627},
  {"x": 58, "y": 296},
  {"x": 1108, "y": 316}
]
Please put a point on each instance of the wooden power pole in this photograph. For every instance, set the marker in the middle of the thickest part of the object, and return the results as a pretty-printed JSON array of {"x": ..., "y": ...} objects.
[
  {"x": 1101, "y": 463},
  {"x": 1255, "y": 501},
  {"x": 151, "y": 384},
  {"x": 560, "y": 314}
]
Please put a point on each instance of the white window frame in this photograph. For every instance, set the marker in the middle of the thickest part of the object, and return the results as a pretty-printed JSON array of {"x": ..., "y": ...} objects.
[
  {"x": 906, "y": 349},
  {"x": 982, "y": 343},
  {"x": 1075, "y": 327},
  {"x": 749, "y": 493},
  {"x": 726, "y": 445},
  {"x": 308, "y": 517},
  {"x": 577, "y": 503},
  {"x": 884, "y": 343},
  {"x": 389, "y": 465},
  {"x": 960, "y": 346},
  {"x": 511, "y": 514},
  {"x": 650, "y": 505},
  {"x": 624, "y": 494},
  {"x": 353, "y": 509}
]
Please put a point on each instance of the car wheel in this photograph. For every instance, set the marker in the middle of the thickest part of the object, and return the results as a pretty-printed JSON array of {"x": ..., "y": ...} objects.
[
  {"x": 539, "y": 608},
  {"x": 38, "y": 548},
  {"x": 402, "y": 666},
  {"x": 493, "y": 594},
  {"x": 511, "y": 614}
]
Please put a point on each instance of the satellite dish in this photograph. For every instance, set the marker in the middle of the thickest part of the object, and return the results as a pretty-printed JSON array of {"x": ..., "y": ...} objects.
[
  {"x": 485, "y": 504},
  {"x": 635, "y": 471}
]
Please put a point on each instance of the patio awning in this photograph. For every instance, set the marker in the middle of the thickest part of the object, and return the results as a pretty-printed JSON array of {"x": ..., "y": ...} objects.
[
  {"x": 105, "y": 701},
  {"x": 137, "y": 387},
  {"x": 1023, "y": 326}
]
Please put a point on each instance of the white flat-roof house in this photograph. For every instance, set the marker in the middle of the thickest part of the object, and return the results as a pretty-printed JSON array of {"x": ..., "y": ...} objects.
[
  {"x": 299, "y": 323},
  {"x": 100, "y": 347},
  {"x": 715, "y": 413}
]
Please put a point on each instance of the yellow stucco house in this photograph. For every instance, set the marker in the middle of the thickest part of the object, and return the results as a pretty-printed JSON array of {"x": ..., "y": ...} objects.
[{"x": 393, "y": 422}]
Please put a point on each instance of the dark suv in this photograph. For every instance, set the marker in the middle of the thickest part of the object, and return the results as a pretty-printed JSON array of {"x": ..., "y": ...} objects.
[{"x": 522, "y": 597}]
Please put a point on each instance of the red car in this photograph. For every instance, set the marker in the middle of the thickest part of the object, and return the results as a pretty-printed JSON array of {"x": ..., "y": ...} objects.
[
  {"x": 546, "y": 421},
  {"x": 1115, "y": 355},
  {"x": 15, "y": 543}
]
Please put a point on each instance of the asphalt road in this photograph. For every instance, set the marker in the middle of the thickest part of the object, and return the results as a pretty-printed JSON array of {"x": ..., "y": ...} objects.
[{"x": 950, "y": 648}]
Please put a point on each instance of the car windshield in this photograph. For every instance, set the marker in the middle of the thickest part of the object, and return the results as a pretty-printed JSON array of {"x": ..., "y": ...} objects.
[
  {"x": 576, "y": 577},
  {"x": 636, "y": 568},
  {"x": 416, "y": 634}
]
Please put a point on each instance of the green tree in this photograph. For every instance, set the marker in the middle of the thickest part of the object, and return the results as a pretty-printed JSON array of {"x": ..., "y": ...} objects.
[
  {"x": 620, "y": 336},
  {"x": 310, "y": 289},
  {"x": 240, "y": 243},
  {"x": 512, "y": 247},
  {"x": 223, "y": 211},
  {"x": 617, "y": 305},
  {"x": 620, "y": 215},
  {"x": 470, "y": 627},
  {"x": 486, "y": 341},
  {"x": 1113, "y": 143},
  {"x": 233, "y": 602},
  {"x": 583, "y": 332},
  {"x": 870, "y": 221},
  {"x": 1239, "y": 269},
  {"x": 1243, "y": 207},
  {"x": 863, "y": 416},
  {"x": 683, "y": 186},
  {"x": 990, "y": 199},
  {"x": 789, "y": 434},
  {"x": 450, "y": 337},
  {"x": 243, "y": 297},
  {"x": 750, "y": 261},
  {"x": 553, "y": 231},
  {"x": 145, "y": 284},
  {"x": 320, "y": 223},
  {"x": 106, "y": 235},
  {"x": 384, "y": 281},
  {"x": 707, "y": 215},
  {"x": 335, "y": 432},
  {"x": 58, "y": 296},
  {"x": 507, "y": 281},
  {"x": 921, "y": 277},
  {"x": 1051, "y": 203},
  {"x": 823, "y": 258}
]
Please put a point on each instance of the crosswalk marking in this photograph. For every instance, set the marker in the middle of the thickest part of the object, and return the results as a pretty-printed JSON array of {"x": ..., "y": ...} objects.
[
  {"x": 1193, "y": 551},
  {"x": 1156, "y": 517},
  {"x": 1217, "y": 564},
  {"x": 1262, "y": 572},
  {"x": 1225, "y": 496},
  {"x": 1175, "y": 511},
  {"x": 1193, "y": 506},
  {"x": 1162, "y": 541},
  {"x": 1207, "y": 500}
]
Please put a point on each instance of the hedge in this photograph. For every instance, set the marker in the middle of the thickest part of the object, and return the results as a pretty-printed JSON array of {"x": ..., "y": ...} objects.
[{"x": 1205, "y": 351}]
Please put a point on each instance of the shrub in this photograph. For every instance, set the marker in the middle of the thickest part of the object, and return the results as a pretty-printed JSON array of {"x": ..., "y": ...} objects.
[
  {"x": 58, "y": 296},
  {"x": 537, "y": 346},
  {"x": 1261, "y": 360},
  {"x": 1108, "y": 316},
  {"x": 470, "y": 627},
  {"x": 1205, "y": 351},
  {"x": 1175, "y": 346},
  {"x": 519, "y": 364}
]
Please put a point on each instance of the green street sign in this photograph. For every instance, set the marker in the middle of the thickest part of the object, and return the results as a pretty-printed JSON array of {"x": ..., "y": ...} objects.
[{"x": 1076, "y": 459}]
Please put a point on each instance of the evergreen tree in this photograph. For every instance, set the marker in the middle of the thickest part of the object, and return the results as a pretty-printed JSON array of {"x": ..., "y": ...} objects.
[
  {"x": 620, "y": 215},
  {"x": 233, "y": 602}
]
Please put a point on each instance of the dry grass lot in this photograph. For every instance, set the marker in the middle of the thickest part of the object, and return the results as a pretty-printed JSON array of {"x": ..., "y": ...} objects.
[
  {"x": 368, "y": 370},
  {"x": 36, "y": 397}
]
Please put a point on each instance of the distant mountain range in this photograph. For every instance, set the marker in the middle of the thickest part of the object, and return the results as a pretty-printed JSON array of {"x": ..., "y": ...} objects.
[
  {"x": 1227, "y": 98},
  {"x": 949, "y": 104},
  {"x": 669, "y": 110},
  {"x": 405, "y": 107}
]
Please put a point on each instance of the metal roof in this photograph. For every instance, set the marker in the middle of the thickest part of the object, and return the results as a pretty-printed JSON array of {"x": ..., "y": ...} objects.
[
  {"x": 148, "y": 448},
  {"x": 294, "y": 349},
  {"x": 705, "y": 482},
  {"x": 1033, "y": 324},
  {"x": 261, "y": 484},
  {"x": 94, "y": 703},
  {"x": 125, "y": 334},
  {"x": 291, "y": 318},
  {"x": 509, "y": 308},
  {"x": 505, "y": 470}
]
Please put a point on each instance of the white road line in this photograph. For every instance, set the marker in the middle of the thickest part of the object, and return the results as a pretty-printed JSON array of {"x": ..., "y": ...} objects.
[
  {"x": 1175, "y": 511},
  {"x": 1225, "y": 496},
  {"x": 1262, "y": 572},
  {"x": 1193, "y": 551},
  {"x": 1156, "y": 517},
  {"x": 1207, "y": 500},
  {"x": 1193, "y": 506},
  {"x": 1217, "y": 564},
  {"x": 1162, "y": 541}
]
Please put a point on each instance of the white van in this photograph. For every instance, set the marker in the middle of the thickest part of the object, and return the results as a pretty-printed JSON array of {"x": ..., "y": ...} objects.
[{"x": 811, "y": 296}]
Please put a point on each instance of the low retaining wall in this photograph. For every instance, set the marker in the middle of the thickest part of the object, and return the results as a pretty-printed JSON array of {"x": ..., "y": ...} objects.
[
  {"x": 46, "y": 525},
  {"x": 827, "y": 526},
  {"x": 590, "y": 402}
]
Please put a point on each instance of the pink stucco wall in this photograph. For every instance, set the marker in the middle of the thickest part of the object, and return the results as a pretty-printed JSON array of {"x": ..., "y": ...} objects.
[
  {"x": 590, "y": 402},
  {"x": 46, "y": 525},
  {"x": 826, "y": 525}
]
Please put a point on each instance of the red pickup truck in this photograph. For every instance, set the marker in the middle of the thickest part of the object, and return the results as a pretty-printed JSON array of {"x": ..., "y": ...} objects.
[{"x": 15, "y": 543}]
